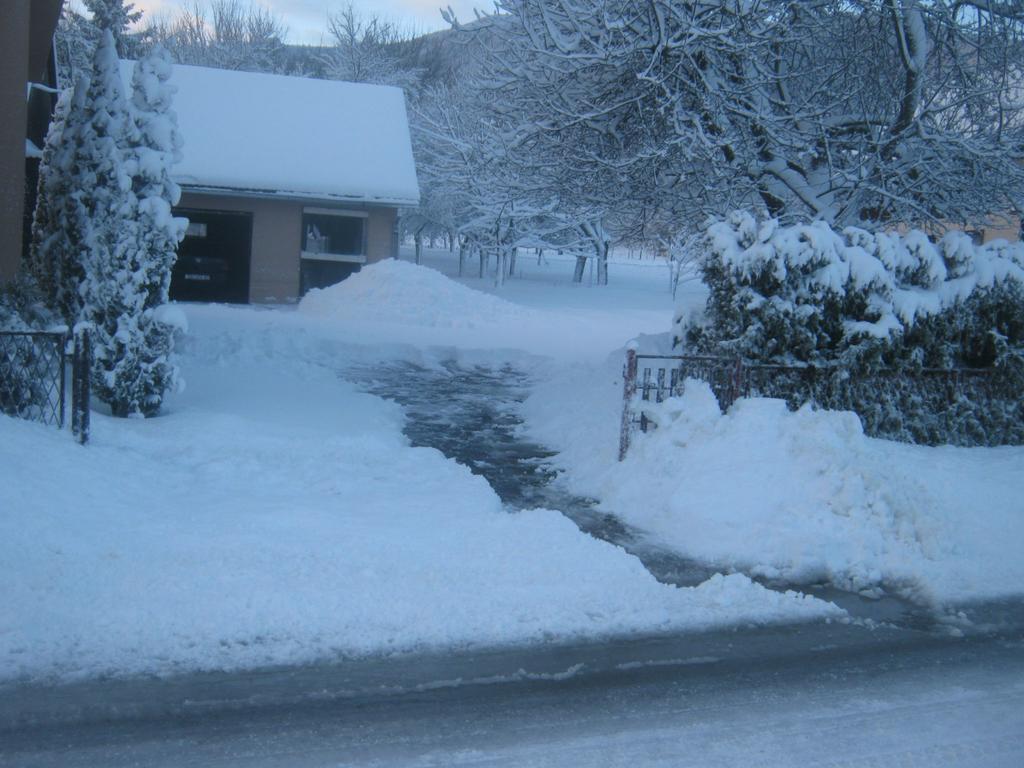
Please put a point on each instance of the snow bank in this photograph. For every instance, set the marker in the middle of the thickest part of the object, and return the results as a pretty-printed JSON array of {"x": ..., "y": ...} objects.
[
  {"x": 393, "y": 291},
  {"x": 540, "y": 312},
  {"x": 799, "y": 496},
  {"x": 275, "y": 515}
]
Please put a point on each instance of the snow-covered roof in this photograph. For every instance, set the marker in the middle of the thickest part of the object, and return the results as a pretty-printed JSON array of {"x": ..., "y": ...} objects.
[{"x": 292, "y": 136}]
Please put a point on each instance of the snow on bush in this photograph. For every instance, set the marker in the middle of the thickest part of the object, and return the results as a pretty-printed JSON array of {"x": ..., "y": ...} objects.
[
  {"x": 393, "y": 291},
  {"x": 857, "y": 303}
]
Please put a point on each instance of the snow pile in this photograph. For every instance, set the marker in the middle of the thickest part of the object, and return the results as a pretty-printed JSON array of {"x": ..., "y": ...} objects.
[
  {"x": 799, "y": 497},
  {"x": 275, "y": 515},
  {"x": 393, "y": 291}
]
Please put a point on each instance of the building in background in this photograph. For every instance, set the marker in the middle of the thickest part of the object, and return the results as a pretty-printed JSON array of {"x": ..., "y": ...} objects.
[{"x": 288, "y": 183}]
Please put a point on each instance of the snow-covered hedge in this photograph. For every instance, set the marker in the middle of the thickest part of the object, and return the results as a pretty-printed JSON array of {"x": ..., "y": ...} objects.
[{"x": 874, "y": 309}]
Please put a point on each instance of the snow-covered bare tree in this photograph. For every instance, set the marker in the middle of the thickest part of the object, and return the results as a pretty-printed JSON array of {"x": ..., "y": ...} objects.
[
  {"x": 227, "y": 34},
  {"x": 366, "y": 50},
  {"x": 851, "y": 111},
  {"x": 471, "y": 182}
]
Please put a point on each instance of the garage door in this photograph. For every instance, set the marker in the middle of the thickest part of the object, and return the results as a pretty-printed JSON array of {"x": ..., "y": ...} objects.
[{"x": 213, "y": 259}]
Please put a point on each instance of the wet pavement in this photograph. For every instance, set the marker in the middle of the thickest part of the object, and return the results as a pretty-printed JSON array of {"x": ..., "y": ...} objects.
[{"x": 471, "y": 414}]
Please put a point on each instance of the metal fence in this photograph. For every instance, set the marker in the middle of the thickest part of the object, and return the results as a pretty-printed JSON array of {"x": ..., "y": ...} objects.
[
  {"x": 34, "y": 374},
  {"x": 654, "y": 378}
]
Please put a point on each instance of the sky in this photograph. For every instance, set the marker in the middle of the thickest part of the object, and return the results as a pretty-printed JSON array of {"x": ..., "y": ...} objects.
[{"x": 306, "y": 19}]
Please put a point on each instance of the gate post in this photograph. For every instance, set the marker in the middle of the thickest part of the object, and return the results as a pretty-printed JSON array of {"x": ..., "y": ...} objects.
[
  {"x": 628, "y": 393},
  {"x": 735, "y": 388},
  {"x": 81, "y": 365}
]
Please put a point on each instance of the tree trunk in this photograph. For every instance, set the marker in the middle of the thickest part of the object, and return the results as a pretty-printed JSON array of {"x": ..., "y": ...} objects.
[
  {"x": 462, "y": 256},
  {"x": 602, "y": 263},
  {"x": 581, "y": 266},
  {"x": 512, "y": 262},
  {"x": 483, "y": 261},
  {"x": 418, "y": 237},
  {"x": 540, "y": 256},
  {"x": 502, "y": 266}
]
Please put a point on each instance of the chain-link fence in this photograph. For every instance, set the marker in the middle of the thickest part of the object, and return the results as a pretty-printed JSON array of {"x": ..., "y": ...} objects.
[{"x": 33, "y": 376}]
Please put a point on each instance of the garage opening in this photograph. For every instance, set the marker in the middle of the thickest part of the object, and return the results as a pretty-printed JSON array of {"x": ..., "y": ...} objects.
[
  {"x": 333, "y": 246},
  {"x": 213, "y": 259}
]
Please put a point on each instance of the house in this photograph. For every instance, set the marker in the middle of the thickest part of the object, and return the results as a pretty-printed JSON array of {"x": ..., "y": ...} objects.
[
  {"x": 26, "y": 44},
  {"x": 998, "y": 228},
  {"x": 288, "y": 183}
]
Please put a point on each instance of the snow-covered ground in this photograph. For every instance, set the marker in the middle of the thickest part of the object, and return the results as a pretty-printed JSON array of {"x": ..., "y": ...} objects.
[{"x": 276, "y": 515}]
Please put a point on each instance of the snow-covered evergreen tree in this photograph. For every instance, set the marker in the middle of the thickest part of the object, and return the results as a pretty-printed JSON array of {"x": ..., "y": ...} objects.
[
  {"x": 115, "y": 16},
  {"x": 101, "y": 209},
  {"x": 154, "y": 145},
  {"x": 53, "y": 258},
  {"x": 104, "y": 234}
]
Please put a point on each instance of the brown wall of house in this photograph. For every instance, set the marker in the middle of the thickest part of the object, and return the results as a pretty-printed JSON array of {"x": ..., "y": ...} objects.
[
  {"x": 26, "y": 29},
  {"x": 1001, "y": 230},
  {"x": 277, "y": 239},
  {"x": 380, "y": 234},
  {"x": 14, "y": 35}
]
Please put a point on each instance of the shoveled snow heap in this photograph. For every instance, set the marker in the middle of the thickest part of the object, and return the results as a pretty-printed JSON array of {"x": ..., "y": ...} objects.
[
  {"x": 799, "y": 496},
  {"x": 275, "y": 515},
  {"x": 393, "y": 291}
]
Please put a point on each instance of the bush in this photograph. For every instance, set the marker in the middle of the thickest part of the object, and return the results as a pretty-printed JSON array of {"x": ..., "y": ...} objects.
[{"x": 872, "y": 314}]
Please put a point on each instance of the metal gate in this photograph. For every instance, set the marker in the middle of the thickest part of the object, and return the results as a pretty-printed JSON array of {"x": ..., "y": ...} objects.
[{"x": 34, "y": 369}]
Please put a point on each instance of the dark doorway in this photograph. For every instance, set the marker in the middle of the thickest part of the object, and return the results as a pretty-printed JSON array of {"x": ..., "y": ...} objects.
[{"x": 213, "y": 259}]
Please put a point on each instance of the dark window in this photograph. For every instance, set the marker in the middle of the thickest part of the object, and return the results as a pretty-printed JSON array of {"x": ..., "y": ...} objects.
[{"x": 332, "y": 234}]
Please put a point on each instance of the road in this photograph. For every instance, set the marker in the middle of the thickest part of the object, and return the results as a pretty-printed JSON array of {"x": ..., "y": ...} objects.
[{"x": 817, "y": 695}]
